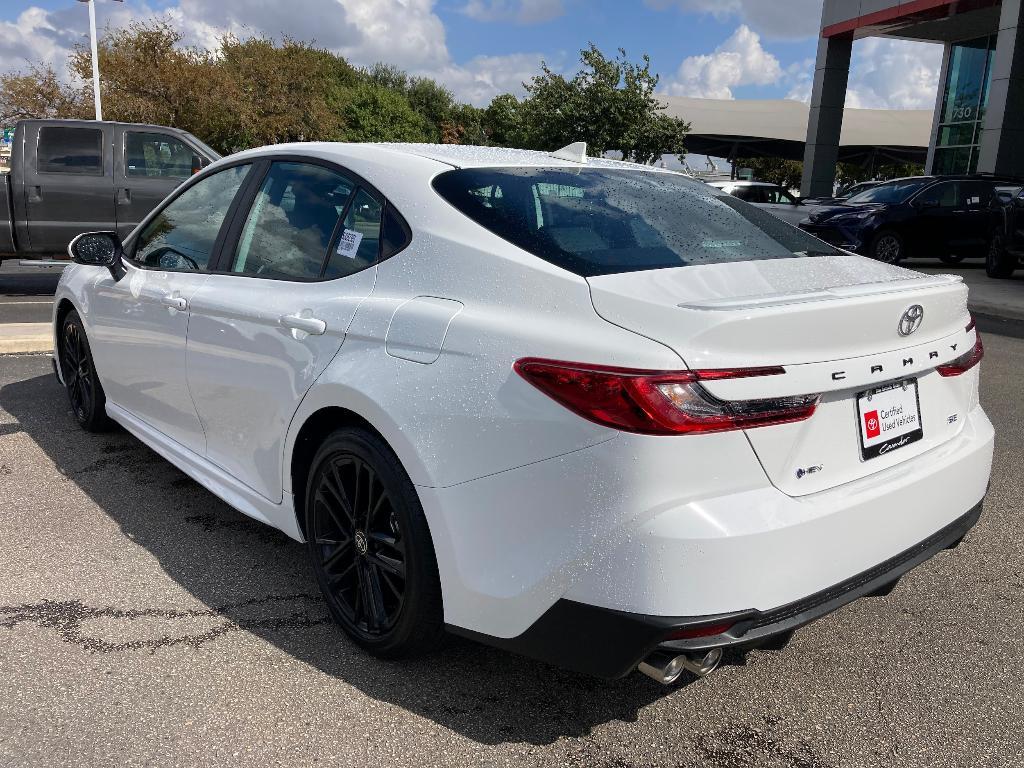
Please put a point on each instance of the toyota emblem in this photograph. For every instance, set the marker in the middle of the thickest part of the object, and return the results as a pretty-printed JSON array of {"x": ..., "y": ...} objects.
[{"x": 911, "y": 319}]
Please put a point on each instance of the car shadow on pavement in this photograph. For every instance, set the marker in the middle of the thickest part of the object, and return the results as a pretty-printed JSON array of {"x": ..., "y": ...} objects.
[{"x": 255, "y": 579}]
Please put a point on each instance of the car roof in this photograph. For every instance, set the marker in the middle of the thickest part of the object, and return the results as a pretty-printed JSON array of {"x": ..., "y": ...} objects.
[{"x": 453, "y": 155}]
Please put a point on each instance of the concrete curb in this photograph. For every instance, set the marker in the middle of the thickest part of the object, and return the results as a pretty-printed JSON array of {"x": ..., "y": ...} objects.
[{"x": 25, "y": 337}]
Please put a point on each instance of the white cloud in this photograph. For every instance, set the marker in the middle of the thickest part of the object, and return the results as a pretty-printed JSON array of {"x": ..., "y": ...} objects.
[
  {"x": 406, "y": 33},
  {"x": 740, "y": 60},
  {"x": 893, "y": 74},
  {"x": 518, "y": 11},
  {"x": 774, "y": 19}
]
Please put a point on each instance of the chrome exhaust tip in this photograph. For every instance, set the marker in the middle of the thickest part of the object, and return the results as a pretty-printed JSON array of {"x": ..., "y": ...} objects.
[{"x": 666, "y": 668}]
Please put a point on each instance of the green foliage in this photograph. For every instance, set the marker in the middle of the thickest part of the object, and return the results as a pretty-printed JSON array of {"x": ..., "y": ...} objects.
[
  {"x": 851, "y": 173},
  {"x": 376, "y": 113},
  {"x": 785, "y": 173},
  {"x": 609, "y": 104}
]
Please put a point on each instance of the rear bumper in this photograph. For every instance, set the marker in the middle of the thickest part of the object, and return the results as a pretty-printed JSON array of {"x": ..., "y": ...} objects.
[{"x": 608, "y": 643}]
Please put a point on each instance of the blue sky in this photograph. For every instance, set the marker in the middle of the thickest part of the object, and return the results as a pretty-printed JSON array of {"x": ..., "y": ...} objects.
[{"x": 710, "y": 48}]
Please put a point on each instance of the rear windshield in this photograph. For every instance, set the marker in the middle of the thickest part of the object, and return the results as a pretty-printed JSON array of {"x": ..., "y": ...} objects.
[
  {"x": 597, "y": 221},
  {"x": 891, "y": 192}
]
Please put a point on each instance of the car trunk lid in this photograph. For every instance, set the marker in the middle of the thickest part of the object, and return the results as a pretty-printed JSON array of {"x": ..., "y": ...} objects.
[{"x": 833, "y": 323}]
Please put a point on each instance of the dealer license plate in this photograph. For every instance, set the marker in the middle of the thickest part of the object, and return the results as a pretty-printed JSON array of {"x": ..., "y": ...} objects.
[{"x": 889, "y": 417}]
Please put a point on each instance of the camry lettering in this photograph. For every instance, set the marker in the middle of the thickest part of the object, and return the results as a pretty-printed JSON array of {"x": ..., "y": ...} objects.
[{"x": 894, "y": 445}]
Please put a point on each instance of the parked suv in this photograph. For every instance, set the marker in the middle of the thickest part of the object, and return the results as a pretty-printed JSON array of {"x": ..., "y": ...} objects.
[
  {"x": 70, "y": 176},
  {"x": 1006, "y": 247},
  {"x": 944, "y": 216}
]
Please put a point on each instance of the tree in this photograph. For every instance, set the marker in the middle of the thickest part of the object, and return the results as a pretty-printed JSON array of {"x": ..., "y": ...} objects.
[
  {"x": 40, "y": 93},
  {"x": 785, "y": 173},
  {"x": 376, "y": 113},
  {"x": 609, "y": 104}
]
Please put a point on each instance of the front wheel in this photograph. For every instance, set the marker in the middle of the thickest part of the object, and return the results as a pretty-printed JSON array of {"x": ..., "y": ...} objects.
[
  {"x": 371, "y": 548},
  {"x": 887, "y": 246},
  {"x": 998, "y": 262},
  {"x": 951, "y": 258},
  {"x": 88, "y": 402}
]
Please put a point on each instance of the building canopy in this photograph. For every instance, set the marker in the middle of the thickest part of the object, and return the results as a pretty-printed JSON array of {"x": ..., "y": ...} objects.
[{"x": 778, "y": 128}]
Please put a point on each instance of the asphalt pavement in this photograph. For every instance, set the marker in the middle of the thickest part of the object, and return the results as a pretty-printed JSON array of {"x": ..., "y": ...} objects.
[{"x": 144, "y": 622}]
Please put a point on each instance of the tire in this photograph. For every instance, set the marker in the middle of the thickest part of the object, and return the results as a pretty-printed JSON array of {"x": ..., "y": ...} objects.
[
  {"x": 951, "y": 258},
  {"x": 85, "y": 393},
  {"x": 887, "y": 246},
  {"x": 998, "y": 263},
  {"x": 376, "y": 567}
]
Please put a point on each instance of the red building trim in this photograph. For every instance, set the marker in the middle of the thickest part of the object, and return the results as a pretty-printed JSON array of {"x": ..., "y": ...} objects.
[{"x": 896, "y": 13}]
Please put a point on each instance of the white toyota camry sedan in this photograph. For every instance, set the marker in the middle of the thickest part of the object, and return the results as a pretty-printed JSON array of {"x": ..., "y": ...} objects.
[{"x": 592, "y": 412}]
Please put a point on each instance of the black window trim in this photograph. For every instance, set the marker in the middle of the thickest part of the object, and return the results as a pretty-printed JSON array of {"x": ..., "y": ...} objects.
[{"x": 103, "y": 150}]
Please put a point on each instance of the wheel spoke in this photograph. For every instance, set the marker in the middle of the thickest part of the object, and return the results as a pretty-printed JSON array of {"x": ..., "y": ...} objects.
[
  {"x": 376, "y": 614},
  {"x": 340, "y": 524},
  {"x": 341, "y": 549},
  {"x": 388, "y": 541},
  {"x": 388, "y": 564},
  {"x": 337, "y": 488}
]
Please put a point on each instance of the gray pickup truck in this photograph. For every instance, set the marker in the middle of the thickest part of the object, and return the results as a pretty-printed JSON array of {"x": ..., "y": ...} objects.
[{"x": 73, "y": 176}]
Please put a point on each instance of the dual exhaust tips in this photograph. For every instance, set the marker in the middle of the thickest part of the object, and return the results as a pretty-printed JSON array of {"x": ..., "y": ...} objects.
[{"x": 666, "y": 667}]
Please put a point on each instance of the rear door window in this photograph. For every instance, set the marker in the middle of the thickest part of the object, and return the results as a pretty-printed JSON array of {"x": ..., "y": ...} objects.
[
  {"x": 292, "y": 222},
  {"x": 598, "y": 221},
  {"x": 62, "y": 149}
]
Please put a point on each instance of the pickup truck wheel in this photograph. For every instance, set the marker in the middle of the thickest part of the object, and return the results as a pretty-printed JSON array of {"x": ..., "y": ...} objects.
[
  {"x": 88, "y": 402},
  {"x": 998, "y": 262},
  {"x": 372, "y": 552},
  {"x": 887, "y": 246}
]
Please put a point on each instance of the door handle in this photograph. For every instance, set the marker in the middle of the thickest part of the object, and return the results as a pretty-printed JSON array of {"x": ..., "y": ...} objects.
[
  {"x": 124, "y": 196},
  {"x": 174, "y": 302},
  {"x": 311, "y": 325},
  {"x": 35, "y": 194}
]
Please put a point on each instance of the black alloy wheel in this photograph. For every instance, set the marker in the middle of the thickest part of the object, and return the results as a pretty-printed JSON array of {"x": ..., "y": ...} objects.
[
  {"x": 998, "y": 262},
  {"x": 371, "y": 548},
  {"x": 887, "y": 246},
  {"x": 88, "y": 402}
]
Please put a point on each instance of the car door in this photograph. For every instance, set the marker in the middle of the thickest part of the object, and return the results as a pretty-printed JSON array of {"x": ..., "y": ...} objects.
[
  {"x": 148, "y": 166},
  {"x": 782, "y": 204},
  {"x": 972, "y": 225},
  {"x": 931, "y": 227},
  {"x": 69, "y": 186},
  {"x": 137, "y": 324},
  {"x": 300, "y": 258},
  {"x": 1016, "y": 229}
]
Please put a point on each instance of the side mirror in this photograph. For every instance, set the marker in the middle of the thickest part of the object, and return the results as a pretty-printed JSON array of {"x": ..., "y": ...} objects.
[
  {"x": 198, "y": 163},
  {"x": 98, "y": 249},
  {"x": 923, "y": 204}
]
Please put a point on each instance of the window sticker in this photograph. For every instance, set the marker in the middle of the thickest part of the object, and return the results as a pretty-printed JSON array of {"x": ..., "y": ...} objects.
[{"x": 348, "y": 245}]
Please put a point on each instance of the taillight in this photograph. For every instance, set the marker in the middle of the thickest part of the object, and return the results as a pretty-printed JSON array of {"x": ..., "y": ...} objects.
[
  {"x": 659, "y": 402},
  {"x": 965, "y": 362}
]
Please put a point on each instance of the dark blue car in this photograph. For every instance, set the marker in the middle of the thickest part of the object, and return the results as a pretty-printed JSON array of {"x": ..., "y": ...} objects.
[{"x": 935, "y": 216}]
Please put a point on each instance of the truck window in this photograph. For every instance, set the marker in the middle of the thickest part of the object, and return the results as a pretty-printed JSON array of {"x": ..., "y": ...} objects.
[
  {"x": 70, "y": 150},
  {"x": 156, "y": 155}
]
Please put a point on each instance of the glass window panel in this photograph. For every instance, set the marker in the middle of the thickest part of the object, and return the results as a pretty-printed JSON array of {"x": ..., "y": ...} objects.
[
  {"x": 156, "y": 155},
  {"x": 183, "y": 234},
  {"x": 358, "y": 244},
  {"x": 70, "y": 150},
  {"x": 291, "y": 222}
]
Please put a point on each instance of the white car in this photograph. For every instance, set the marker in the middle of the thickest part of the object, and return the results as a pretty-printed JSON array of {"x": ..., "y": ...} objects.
[
  {"x": 593, "y": 412},
  {"x": 771, "y": 197}
]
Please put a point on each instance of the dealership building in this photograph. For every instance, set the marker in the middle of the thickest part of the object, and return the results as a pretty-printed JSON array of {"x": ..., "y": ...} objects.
[{"x": 978, "y": 121}]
